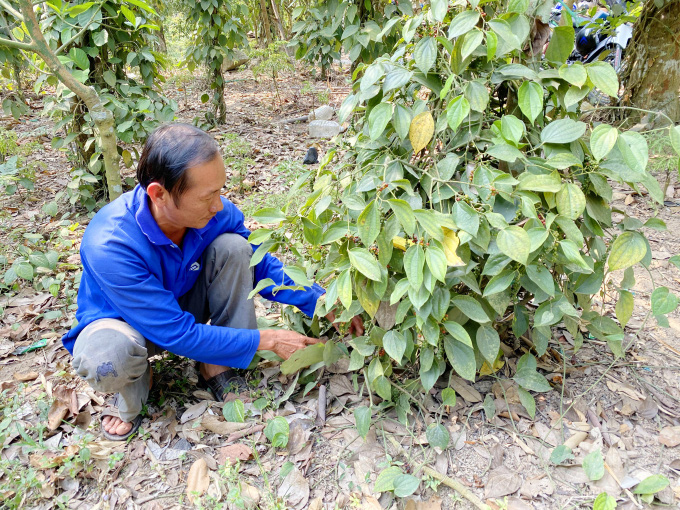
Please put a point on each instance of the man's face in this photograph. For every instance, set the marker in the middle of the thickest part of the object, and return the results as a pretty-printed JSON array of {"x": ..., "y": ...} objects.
[{"x": 201, "y": 198}]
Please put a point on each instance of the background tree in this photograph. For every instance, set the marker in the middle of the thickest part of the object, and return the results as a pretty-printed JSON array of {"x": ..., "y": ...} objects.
[
  {"x": 652, "y": 67},
  {"x": 271, "y": 62},
  {"x": 363, "y": 30},
  {"x": 102, "y": 117},
  {"x": 12, "y": 64},
  {"x": 106, "y": 47},
  {"x": 112, "y": 49},
  {"x": 218, "y": 29}
]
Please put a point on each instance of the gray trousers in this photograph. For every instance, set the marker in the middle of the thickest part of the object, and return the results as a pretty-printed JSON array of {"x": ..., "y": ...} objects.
[{"x": 113, "y": 357}]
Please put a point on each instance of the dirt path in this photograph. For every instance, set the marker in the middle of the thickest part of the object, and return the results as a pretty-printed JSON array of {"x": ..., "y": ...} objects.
[{"x": 53, "y": 455}]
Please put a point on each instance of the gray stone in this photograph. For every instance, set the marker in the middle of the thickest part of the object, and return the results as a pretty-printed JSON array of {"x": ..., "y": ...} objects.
[{"x": 240, "y": 58}]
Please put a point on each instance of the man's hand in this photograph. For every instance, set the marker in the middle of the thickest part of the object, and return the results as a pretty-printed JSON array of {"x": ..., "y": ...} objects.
[
  {"x": 283, "y": 342},
  {"x": 356, "y": 325}
]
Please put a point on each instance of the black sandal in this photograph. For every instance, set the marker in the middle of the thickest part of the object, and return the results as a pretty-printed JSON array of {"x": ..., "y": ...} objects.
[{"x": 224, "y": 383}]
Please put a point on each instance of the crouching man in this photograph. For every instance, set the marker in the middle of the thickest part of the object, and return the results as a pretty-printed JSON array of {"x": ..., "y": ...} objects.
[{"x": 158, "y": 264}]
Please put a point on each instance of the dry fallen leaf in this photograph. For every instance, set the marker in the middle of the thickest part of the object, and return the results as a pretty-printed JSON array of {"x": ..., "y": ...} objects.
[
  {"x": 340, "y": 385},
  {"x": 675, "y": 465},
  {"x": 537, "y": 487},
  {"x": 56, "y": 414},
  {"x": 297, "y": 438},
  {"x": 315, "y": 504},
  {"x": 515, "y": 503},
  {"x": 434, "y": 503},
  {"x": 609, "y": 483},
  {"x": 386, "y": 315},
  {"x": 649, "y": 409},
  {"x": 50, "y": 459},
  {"x": 625, "y": 389},
  {"x": 670, "y": 436},
  {"x": 67, "y": 396},
  {"x": 194, "y": 412},
  {"x": 370, "y": 503},
  {"x": 571, "y": 474},
  {"x": 26, "y": 376},
  {"x": 218, "y": 426},
  {"x": 467, "y": 392},
  {"x": 250, "y": 495},
  {"x": 294, "y": 489},
  {"x": 502, "y": 482},
  {"x": 198, "y": 480},
  {"x": 47, "y": 491},
  {"x": 7, "y": 385},
  {"x": 234, "y": 452},
  {"x": 506, "y": 389},
  {"x": 575, "y": 439}
]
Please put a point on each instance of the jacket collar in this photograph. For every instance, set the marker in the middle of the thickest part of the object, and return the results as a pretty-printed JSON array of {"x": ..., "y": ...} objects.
[
  {"x": 145, "y": 220},
  {"x": 147, "y": 223}
]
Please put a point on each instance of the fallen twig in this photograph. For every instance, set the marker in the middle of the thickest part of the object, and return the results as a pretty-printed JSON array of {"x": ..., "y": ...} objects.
[
  {"x": 670, "y": 348},
  {"x": 321, "y": 414},
  {"x": 296, "y": 119},
  {"x": 243, "y": 433},
  {"x": 628, "y": 493},
  {"x": 455, "y": 484},
  {"x": 146, "y": 499},
  {"x": 595, "y": 422}
]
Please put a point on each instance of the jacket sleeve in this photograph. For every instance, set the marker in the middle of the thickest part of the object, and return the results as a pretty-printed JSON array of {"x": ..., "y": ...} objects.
[
  {"x": 129, "y": 287},
  {"x": 271, "y": 267}
]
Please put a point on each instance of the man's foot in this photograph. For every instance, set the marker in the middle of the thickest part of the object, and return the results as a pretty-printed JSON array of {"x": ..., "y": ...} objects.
[
  {"x": 221, "y": 380},
  {"x": 115, "y": 426},
  {"x": 209, "y": 371}
]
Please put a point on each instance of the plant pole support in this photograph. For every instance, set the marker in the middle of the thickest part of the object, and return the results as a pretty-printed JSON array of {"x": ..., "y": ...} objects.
[{"x": 102, "y": 117}]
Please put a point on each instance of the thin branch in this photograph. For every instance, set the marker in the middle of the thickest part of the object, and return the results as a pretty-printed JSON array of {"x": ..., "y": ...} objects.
[
  {"x": 81, "y": 32},
  {"x": 16, "y": 44},
  {"x": 11, "y": 10},
  {"x": 28, "y": 61}
]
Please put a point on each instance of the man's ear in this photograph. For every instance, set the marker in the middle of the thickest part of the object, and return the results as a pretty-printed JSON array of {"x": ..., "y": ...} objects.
[{"x": 157, "y": 193}]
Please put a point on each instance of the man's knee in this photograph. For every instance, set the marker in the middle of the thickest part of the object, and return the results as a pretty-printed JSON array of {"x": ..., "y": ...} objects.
[
  {"x": 232, "y": 245},
  {"x": 109, "y": 354},
  {"x": 228, "y": 251}
]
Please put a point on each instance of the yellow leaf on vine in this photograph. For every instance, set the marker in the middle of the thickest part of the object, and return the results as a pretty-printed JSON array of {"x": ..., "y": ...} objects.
[
  {"x": 451, "y": 242},
  {"x": 421, "y": 130},
  {"x": 400, "y": 243},
  {"x": 488, "y": 369}
]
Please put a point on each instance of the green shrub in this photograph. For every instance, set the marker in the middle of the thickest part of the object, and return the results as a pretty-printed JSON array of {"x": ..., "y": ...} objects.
[
  {"x": 471, "y": 205},
  {"x": 363, "y": 30},
  {"x": 272, "y": 61}
]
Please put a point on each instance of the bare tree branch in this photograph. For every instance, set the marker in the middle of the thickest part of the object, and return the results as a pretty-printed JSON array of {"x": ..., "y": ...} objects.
[
  {"x": 11, "y": 10},
  {"x": 16, "y": 44}
]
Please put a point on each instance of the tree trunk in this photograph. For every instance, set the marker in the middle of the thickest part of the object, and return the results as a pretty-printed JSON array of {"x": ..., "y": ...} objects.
[
  {"x": 103, "y": 118},
  {"x": 162, "y": 45},
  {"x": 218, "y": 98},
  {"x": 266, "y": 28},
  {"x": 16, "y": 74},
  {"x": 652, "y": 67},
  {"x": 282, "y": 32}
]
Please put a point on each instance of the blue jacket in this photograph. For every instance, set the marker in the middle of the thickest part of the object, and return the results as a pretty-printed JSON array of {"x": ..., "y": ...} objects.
[{"x": 133, "y": 272}]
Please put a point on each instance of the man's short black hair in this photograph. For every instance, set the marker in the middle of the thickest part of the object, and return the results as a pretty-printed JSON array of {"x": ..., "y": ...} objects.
[{"x": 169, "y": 151}]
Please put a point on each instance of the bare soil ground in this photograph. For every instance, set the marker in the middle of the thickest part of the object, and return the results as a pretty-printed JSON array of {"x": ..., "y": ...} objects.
[{"x": 53, "y": 456}]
